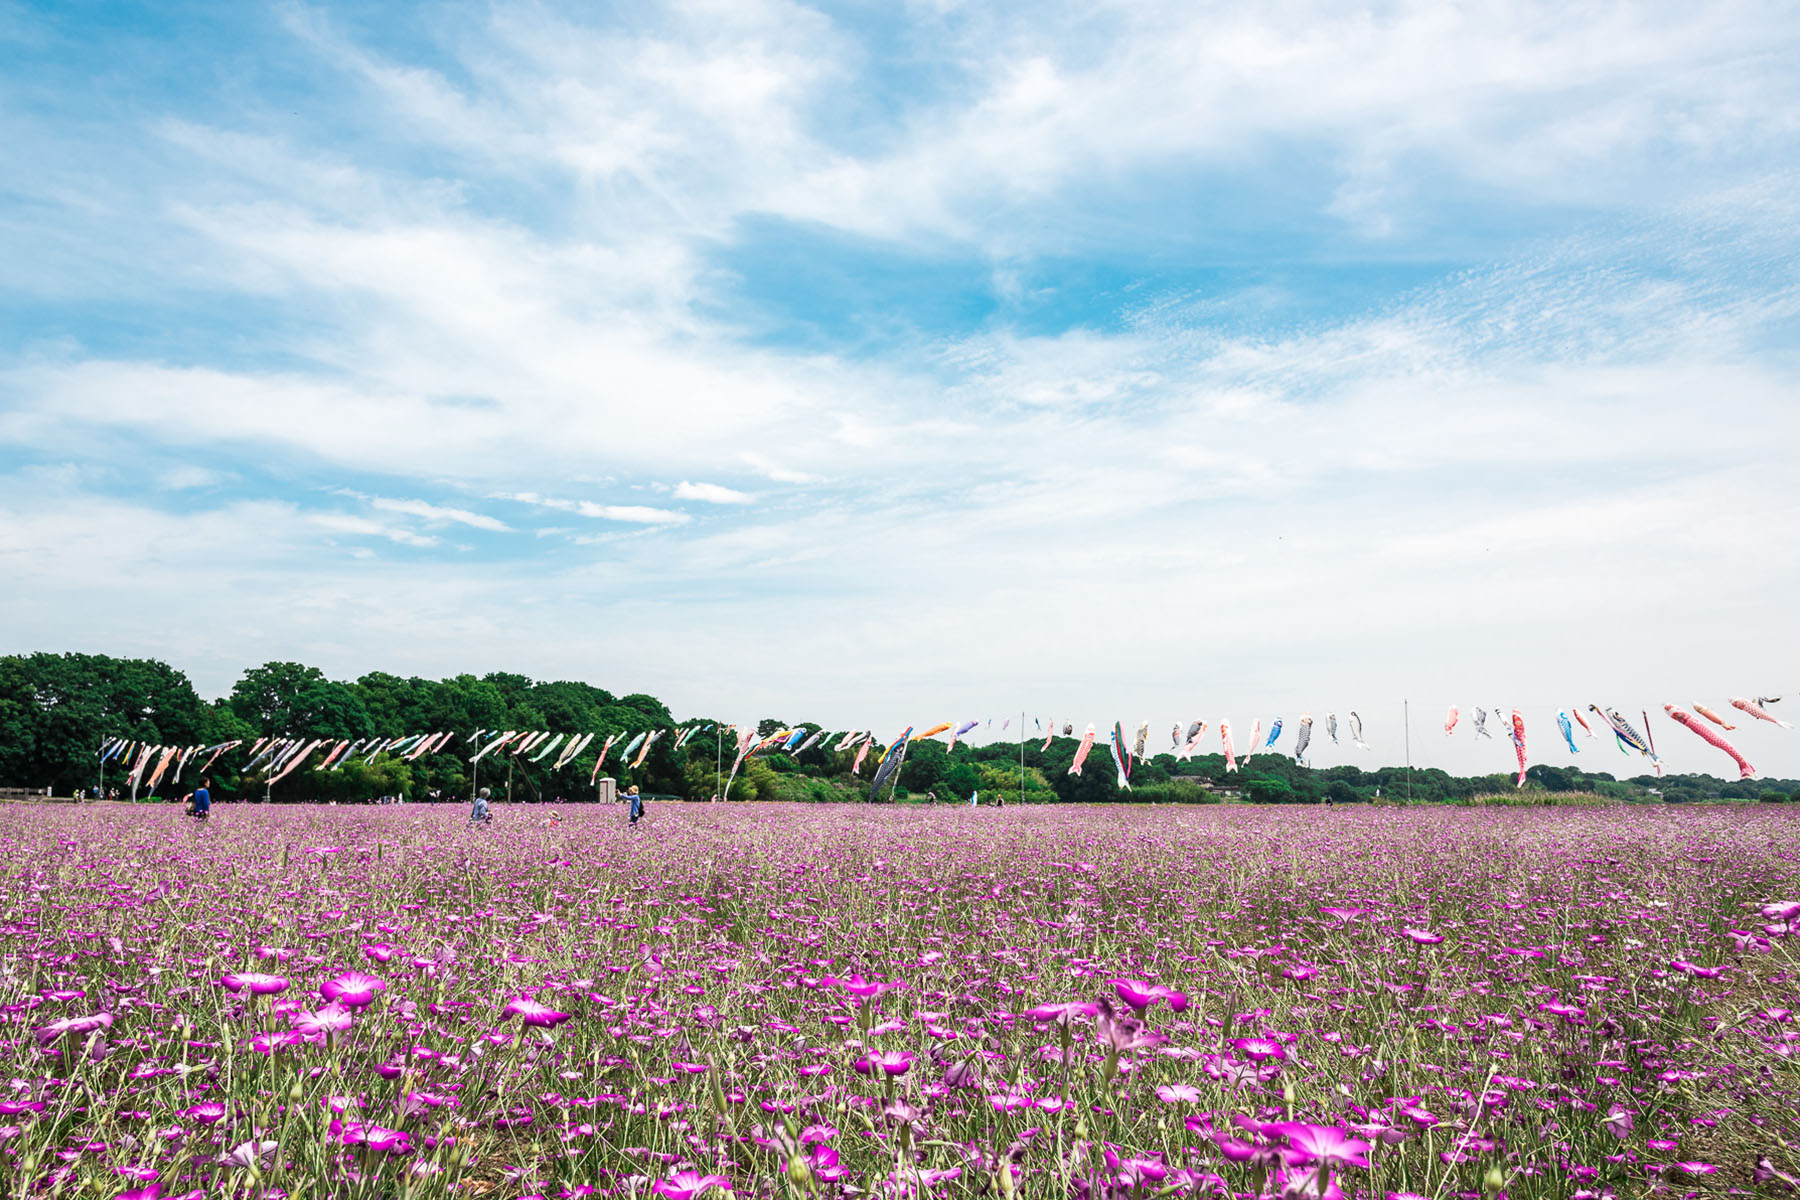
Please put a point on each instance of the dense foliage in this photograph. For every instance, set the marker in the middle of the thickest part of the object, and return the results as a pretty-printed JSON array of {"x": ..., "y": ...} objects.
[
  {"x": 55, "y": 710},
  {"x": 824, "y": 1002}
]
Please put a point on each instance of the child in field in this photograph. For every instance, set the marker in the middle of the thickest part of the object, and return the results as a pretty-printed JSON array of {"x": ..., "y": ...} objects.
[
  {"x": 478, "y": 812},
  {"x": 637, "y": 804},
  {"x": 200, "y": 803}
]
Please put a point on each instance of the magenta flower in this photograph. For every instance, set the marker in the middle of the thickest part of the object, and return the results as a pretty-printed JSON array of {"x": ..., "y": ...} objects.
[
  {"x": 688, "y": 1185},
  {"x": 1178, "y": 1093},
  {"x": 254, "y": 982},
  {"x": 353, "y": 989},
  {"x": 207, "y": 1112},
  {"x": 1140, "y": 995},
  {"x": 530, "y": 1012},
  {"x": 1063, "y": 1011},
  {"x": 1423, "y": 937},
  {"x": 378, "y": 952},
  {"x": 328, "y": 1021},
  {"x": 889, "y": 1062},
  {"x": 78, "y": 1026},
  {"x": 150, "y": 1191},
  {"x": 1259, "y": 1050},
  {"x": 1323, "y": 1144}
]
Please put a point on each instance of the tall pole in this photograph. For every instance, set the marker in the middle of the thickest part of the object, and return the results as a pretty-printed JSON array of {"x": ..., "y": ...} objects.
[
  {"x": 1406, "y": 720},
  {"x": 1021, "y": 759},
  {"x": 718, "y": 756}
]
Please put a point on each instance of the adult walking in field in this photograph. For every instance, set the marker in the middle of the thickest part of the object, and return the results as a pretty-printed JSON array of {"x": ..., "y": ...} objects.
[{"x": 637, "y": 804}]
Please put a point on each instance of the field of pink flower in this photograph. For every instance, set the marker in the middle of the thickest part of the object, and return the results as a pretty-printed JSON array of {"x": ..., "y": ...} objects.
[{"x": 833, "y": 1001}]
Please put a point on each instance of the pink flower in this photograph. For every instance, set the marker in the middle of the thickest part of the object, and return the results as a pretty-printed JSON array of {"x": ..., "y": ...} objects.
[
  {"x": 208, "y": 1112},
  {"x": 353, "y": 989},
  {"x": 76, "y": 1025},
  {"x": 530, "y": 1012},
  {"x": 1323, "y": 1144},
  {"x": 1259, "y": 1049},
  {"x": 328, "y": 1021},
  {"x": 378, "y": 952},
  {"x": 254, "y": 982},
  {"x": 889, "y": 1062},
  {"x": 1178, "y": 1093},
  {"x": 1423, "y": 937},
  {"x": 1142, "y": 995},
  {"x": 1063, "y": 1010},
  {"x": 688, "y": 1185}
]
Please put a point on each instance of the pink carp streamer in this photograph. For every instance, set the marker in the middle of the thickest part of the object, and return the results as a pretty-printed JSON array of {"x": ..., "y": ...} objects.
[
  {"x": 1575, "y": 711},
  {"x": 1225, "y": 739},
  {"x": 1706, "y": 734},
  {"x": 1081, "y": 752},
  {"x": 1518, "y": 737},
  {"x": 1757, "y": 711},
  {"x": 1048, "y": 736},
  {"x": 1450, "y": 721},
  {"x": 1712, "y": 716},
  {"x": 861, "y": 753}
]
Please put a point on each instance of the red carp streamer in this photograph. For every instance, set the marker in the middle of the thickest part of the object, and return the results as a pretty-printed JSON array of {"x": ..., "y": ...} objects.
[
  {"x": 1518, "y": 737},
  {"x": 1706, "y": 733}
]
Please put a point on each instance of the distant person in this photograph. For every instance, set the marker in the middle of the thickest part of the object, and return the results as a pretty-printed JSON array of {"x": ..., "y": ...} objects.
[
  {"x": 200, "y": 803},
  {"x": 637, "y": 804},
  {"x": 478, "y": 812}
]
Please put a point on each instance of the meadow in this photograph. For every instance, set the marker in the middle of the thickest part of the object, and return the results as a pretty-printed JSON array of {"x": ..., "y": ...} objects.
[{"x": 826, "y": 1001}]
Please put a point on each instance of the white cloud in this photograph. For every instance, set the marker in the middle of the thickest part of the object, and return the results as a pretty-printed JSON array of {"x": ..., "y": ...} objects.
[
  {"x": 439, "y": 513},
  {"x": 630, "y": 513},
  {"x": 711, "y": 493}
]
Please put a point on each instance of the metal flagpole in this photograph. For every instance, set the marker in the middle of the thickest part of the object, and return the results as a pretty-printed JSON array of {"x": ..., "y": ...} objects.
[
  {"x": 1021, "y": 759},
  {"x": 718, "y": 755},
  {"x": 1406, "y": 719}
]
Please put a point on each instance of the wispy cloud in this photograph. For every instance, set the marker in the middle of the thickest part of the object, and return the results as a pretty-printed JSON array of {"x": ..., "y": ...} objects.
[
  {"x": 711, "y": 493},
  {"x": 635, "y": 514}
]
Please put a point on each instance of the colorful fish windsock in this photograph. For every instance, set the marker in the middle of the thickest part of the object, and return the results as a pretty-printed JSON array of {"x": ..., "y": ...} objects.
[
  {"x": 846, "y": 743},
  {"x": 1712, "y": 716},
  {"x": 1303, "y": 738},
  {"x": 1518, "y": 740},
  {"x": 1450, "y": 721},
  {"x": 1756, "y": 710},
  {"x": 1225, "y": 740},
  {"x": 1081, "y": 751},
  {"x": 1196, "y": 731},
  {"x": 1250, "y": 742},
  {"x": 1568, "y": 730},
  {"x": 1481, "y": 729},
  {"x": 1175, "y": 737},
  {"x": 1331, "y": 727},
  {"x": 890, "y": 762},
  {"x": 1576, "y": 713},
  {"x": 1143, "y": 737},
  {"x": 1121, "y": 757},
  {"x": 1274, "y": 735},
  {"x": 600, "y": 758},
  {"x": 1627, "y": 736},
  {"x": 933, "y": 731},
  {"x": 861, "y": 752},
  {"x": 1706, "y": 734},
  {"x": 1356, "y": 731},
  {"x": 1048, "y": 736},
  {"x": 1068, "y": 729}
]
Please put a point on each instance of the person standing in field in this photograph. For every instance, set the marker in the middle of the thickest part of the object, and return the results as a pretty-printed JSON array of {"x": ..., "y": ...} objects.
[
  {"x": 637, "y": 804},
  {"x": 201, "y": 804},
  {"x": 478, "y": 812}
]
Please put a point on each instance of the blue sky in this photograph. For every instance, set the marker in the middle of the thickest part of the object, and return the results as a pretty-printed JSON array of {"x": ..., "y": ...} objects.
[{"x": 887, "y": 363}]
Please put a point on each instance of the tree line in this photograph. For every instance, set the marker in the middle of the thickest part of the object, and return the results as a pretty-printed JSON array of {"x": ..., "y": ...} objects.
[{"x": 57, "y": 709}]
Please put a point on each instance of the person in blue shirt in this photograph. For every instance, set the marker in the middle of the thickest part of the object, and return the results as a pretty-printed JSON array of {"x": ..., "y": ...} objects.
[
  {"x": 637, "y": 805},
  {"x": 478, "y": 812},
  {"x": 202, "y": 805}
]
